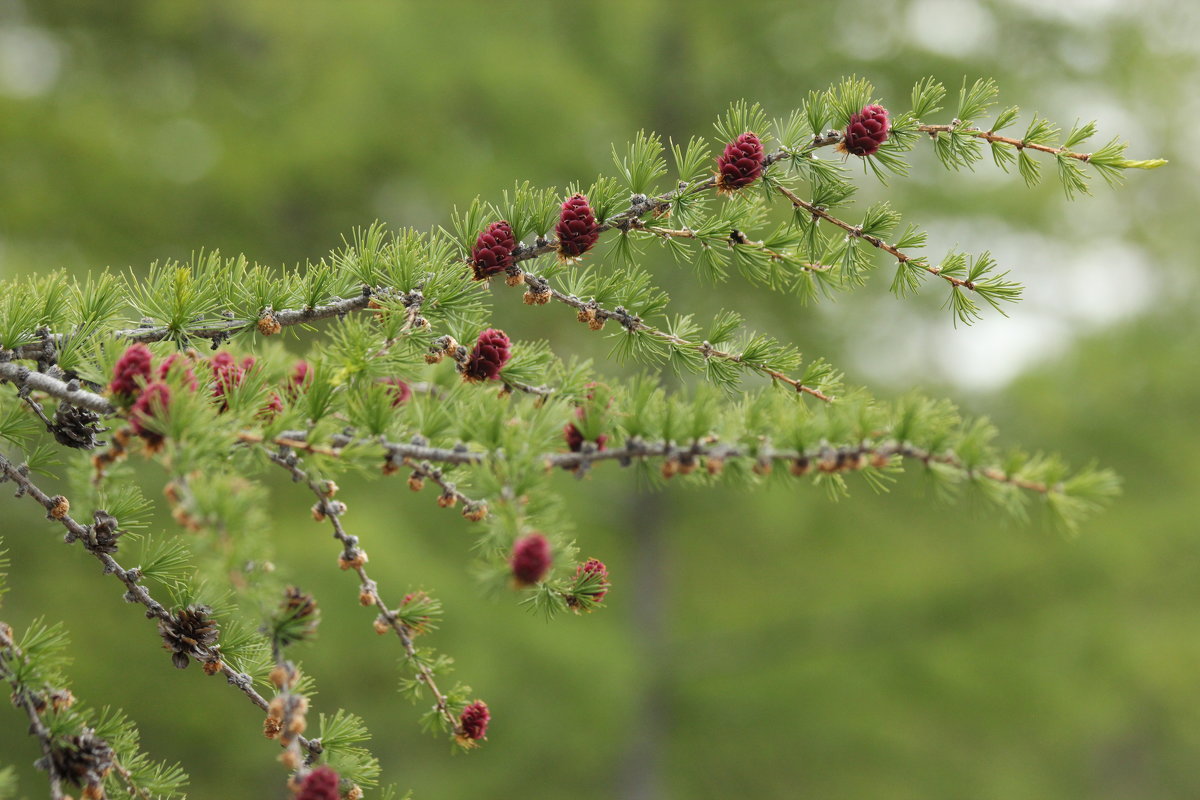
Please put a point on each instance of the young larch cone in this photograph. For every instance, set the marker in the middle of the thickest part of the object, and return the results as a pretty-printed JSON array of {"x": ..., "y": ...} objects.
[
  {"x": 575, "y": 439},
  {"x": 320, "y": 784},
  {"x": 399, "y": 389},
  {"x": 131, "y": 372},
  {"x": 299, "y": 380},
  {"x": 530, "y": 559},
  {"x": 181, "y": 364},
  {"x": 492, "y": 253},
  {"x": 273, "y": 406},
  {"x": 577, "y": 230},
  {"x": 490, "y": 354},
  {"x": 153, "y": 400},
  {"x": 473, "y": 723},
  {"x": 227, "y": 375},
  {"x": 868, "y": 129},
  {"x": 594, "y": 567},
  {"x": 741, "y": 164}
]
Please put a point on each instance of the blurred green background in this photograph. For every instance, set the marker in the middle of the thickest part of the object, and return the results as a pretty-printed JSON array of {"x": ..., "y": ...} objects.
[{"x": 771, "y": 644}]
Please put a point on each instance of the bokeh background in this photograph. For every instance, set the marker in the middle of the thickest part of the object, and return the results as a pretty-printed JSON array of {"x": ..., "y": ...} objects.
[{"x": 772, "y": 644}]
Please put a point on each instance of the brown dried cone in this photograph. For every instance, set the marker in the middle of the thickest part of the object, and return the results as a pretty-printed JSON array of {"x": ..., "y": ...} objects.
[
  {"x": 271, "y": 727},
  {"x": 441, "y": 346},
  {"x": 84, "y": 759},
  {"x": 105, "y": 532},
  {"x": 189, "y": 628},
  {"x": 475, "y": 511},
  {"x": 76, "y": 427},
  {"x": 61, "y": 699}
]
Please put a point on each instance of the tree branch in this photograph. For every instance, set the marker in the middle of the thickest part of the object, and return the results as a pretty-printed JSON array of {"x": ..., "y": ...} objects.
[
  {"x": 21, "y": 698},
  {"x": 989, "y": 136},
  {"x": 354, "y": 557},
  {"x": 28, "y": 380},
  {"x": 632, "y": 322},
  {"x": 135, "y": 592}
]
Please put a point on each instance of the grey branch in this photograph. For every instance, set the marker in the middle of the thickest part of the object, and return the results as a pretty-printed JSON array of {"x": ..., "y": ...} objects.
[
  {"x": 825, "y": 458},
  {"x": 354, "y": 557},
  {"x": 27, "y": 380}
]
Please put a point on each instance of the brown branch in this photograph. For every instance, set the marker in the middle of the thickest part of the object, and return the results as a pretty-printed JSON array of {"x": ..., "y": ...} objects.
[
  {"x": 640, "y": 205},
  {"x": 57, "y": 508},
  {"x": 21, "y": 698},
  {"x": 990, "y": 136},
  {"x": 354, "y": 557},
  {"x": 450, "y": 496},
  {"x": 591, "y": 310},
  {"x": 34, "y": 703},
  {"x": 820, "y": 213}
]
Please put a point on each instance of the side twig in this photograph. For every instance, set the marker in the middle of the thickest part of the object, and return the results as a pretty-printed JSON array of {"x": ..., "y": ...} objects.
[{"x": 355, "y": 558}]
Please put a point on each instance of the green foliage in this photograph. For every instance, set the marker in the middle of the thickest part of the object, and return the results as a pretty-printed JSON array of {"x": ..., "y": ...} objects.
[
  {"x": 342, "y": 735},
  {"x": 643, "y": 163},
  {"x": 404, "y": 305},
  {"x": 35, "y": 671}
]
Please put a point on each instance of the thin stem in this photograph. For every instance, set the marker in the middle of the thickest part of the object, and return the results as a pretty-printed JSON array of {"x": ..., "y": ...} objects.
[
  {"x": 355, "y": 558},
  {"x": 904, "y": 258},
  {"x": 990, "y": 136},
  {"x": 736, "y": 238},
  {"x": 634, "y": 323}
]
